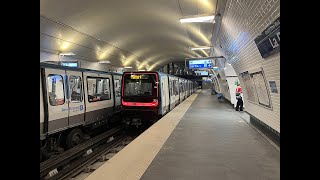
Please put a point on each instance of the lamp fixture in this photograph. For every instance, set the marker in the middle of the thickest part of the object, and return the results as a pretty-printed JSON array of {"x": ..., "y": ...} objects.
[
  {"x": 67, "y": 54},
  {"x": 104, "y": 62},
  {"x": 200, "y": 48},
  {"x": 127, "y": 67},
  {"x": 202, "y": 19}
]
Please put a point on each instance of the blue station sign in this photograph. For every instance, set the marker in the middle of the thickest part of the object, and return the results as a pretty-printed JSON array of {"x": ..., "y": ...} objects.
[{"x": 199, "y": 64}]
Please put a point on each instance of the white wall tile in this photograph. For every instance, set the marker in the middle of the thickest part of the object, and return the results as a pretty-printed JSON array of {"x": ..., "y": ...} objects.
[{"x": 242, "y": 22}]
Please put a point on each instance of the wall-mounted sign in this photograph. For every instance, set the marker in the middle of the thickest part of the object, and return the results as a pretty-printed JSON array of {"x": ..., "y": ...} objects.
[
  {"x": 268, "y": 41},
  {"x": 273, "y": 86},
  {"x": 215, "y": 68},
  {"x": 198, "y": 64},
  {"x": 70, "y": 63},
  {"x": 202, "y": 73}
]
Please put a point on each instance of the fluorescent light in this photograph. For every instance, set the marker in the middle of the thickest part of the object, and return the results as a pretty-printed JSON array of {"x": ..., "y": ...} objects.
[
  {"x": 141, "y": 70},
  {"x": 200, "y": 48},
  {"x": 67, "y": 54},
  {"x": 205, "y": 19},
  {"x": 105, "y": 62},
  {"x": 127, "y": 67}
]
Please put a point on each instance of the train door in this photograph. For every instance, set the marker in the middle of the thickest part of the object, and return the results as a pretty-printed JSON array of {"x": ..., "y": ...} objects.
[
  {"x": 99, "y": 97},
  {"x": 183, "y": 90},
  {"x": 57, "y": 100},
  {"x": 166, "y": 93},
  {"x": 117, "y": 91},
  {"x": 180, "y": 91},
  {"x": 186, "y": 85},
  {"x": 42, "y": 131},
  {"x": 176, "y": 89},
  {"x": 172, "y": 96},
  {"x": 163, "y": 98},
  {"x": 76, "y": 98}
]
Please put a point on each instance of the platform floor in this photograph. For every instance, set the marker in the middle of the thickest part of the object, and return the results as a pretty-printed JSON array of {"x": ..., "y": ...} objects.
[
  {"x": 209, "y": 141},
  {"x": 213, "y": 142}
]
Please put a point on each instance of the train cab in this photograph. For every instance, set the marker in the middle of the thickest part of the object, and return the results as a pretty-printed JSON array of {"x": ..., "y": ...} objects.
[{"x": 140, "y": 96}]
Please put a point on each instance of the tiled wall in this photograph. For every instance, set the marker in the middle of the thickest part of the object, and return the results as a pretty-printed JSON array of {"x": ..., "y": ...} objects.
[{"x": 242, "y": 22}]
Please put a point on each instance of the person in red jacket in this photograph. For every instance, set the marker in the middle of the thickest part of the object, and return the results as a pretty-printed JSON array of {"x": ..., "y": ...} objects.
[{"x": 239, "y": 98}]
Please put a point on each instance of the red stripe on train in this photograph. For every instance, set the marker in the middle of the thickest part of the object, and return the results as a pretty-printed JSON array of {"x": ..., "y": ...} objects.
[{"x": 153, "y": 104}]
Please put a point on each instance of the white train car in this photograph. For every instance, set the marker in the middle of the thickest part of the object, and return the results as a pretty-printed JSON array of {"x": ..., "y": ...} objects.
[{"x": 73, "y": 101}]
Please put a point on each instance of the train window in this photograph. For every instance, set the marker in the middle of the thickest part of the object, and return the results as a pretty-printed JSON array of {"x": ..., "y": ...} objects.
[
  {"x": 117, "y": 87},
  {"x": 176, "y": 87},
  {"x": 55, "y": 90},
  {"x": 182, "y": 87},
  {"x": 98, "y": 89},
  {"x": 75, "y": 88},
  {"x": 171, "y": 88}
]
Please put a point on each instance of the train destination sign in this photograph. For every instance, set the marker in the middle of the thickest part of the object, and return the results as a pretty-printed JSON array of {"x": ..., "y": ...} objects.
[
  {"x": 139, "y": 76},
  {"x": 268, "y": 42}
]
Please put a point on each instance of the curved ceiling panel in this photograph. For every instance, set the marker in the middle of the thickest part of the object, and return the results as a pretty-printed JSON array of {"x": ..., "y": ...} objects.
[{"x": 143, "y": 34}]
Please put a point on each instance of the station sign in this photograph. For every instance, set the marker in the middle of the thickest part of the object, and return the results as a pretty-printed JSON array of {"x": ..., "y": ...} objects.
[
  {"x": 200, "y": 63},
  {"x": 202, "y": 73},
  {"x": 268, "y": 42},
  {"x": 69, "y": 64}
]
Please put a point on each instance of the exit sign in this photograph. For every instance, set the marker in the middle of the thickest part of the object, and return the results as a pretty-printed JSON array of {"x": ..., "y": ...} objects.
[{"x": 268, "y": 42}]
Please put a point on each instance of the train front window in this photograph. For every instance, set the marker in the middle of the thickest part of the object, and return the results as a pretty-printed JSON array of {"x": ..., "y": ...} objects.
[{"x": 140, "y": 85}]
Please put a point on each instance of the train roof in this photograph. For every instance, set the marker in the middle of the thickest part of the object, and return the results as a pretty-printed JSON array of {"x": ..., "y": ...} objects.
[{"x": 54, "y": 66}]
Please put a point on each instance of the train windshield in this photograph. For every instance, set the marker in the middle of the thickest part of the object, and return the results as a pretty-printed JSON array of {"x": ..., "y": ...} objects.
[{"x": 140, "y": 87}]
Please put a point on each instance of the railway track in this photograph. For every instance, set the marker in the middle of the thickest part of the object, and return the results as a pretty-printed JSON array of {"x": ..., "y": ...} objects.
[
  {"x": 76, "y": 159},
  {"x": 85, "y": 170}
]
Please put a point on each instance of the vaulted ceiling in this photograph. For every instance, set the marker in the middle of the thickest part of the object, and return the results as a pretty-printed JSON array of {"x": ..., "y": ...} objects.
[{"x": 143, "y": 34}]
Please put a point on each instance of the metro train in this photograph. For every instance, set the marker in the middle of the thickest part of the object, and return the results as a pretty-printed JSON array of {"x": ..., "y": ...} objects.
[
  {"x": 147, "y": 96},
  {"x": 74, "y": 101}
]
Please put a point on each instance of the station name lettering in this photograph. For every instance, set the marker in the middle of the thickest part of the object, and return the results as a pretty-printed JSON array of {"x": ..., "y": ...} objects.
[{"x": 274, "y": 41}]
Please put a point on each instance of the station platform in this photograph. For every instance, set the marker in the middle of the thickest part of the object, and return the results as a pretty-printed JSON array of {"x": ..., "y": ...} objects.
[{"x": 199, "y": 139}]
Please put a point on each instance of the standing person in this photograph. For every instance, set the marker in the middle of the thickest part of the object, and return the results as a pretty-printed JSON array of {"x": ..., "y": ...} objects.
[{"x": 239, "y": 98}]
